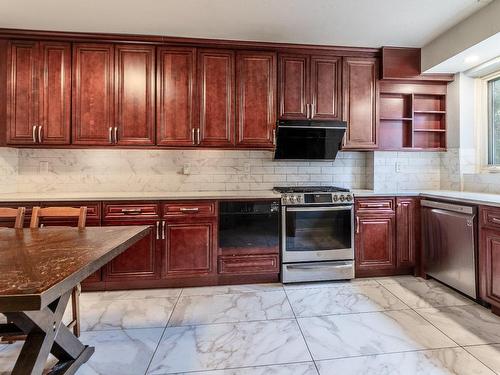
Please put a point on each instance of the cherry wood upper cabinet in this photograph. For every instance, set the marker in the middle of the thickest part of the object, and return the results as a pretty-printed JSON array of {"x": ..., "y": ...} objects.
[
  {"x": 175, "y": 96},
  {"x": 38, "y": 99},
  {"x": 360, "y": 103},
  {"x": 216, "y": 97},
  {"x": 294, "y": 87},
  {"x": 135, "y": 95},
  {"x": 325, "y": 88},
  {"x": 93, "y": 94},
  {"x": 256, "y": 98}
]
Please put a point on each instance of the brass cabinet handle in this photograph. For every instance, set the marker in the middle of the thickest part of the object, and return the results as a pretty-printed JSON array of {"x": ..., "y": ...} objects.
[
  {"x": 274, "y": 137},
  {"x": 34, "y": 134},
  {"x": 357, "y": 224},
  {"x": 163, "y": 230},
  {"x": 39, "y": 133},
  {"x": 110, "y": 134},
  {"x": 375, "y": 205},
  {"x": 157, "y": 230},
  {"x": 131, "y": 211},
  {"x": 193, "y": 136},
  {"x": 184, "y": 209},
  {"x": 313, "y": 109},
  {"x": 198, "y": 136},
  {"x": 116, "y": 134},
  {"x": 495, "y": 220}
]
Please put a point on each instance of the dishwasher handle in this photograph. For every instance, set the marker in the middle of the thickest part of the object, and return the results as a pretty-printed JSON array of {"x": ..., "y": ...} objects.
[{"x": 448, "y": 207}]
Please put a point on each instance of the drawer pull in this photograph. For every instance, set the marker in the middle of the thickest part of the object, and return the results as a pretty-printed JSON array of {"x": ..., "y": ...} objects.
[
  {"x": 495, "y": 220},
  {"x": 131, "y": 211},
  {"x": 157, "y": 230},
  {"x": 184, "y": 209},
  {"x": 375, "y": 205}
]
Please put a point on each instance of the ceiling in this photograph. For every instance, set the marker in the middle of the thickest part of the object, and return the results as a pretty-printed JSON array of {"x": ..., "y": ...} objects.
[{"x": 369, "y": 23}]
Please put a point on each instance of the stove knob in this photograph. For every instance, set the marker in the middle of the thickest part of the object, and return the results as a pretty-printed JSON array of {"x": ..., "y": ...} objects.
[
  {"x": 342, "y": 198},
  {"x": 348, "y": 197},
  {"x": 335, "y": 198},
  {"x": 299, "y": 198},
  {"x": 292, "y": 198}
]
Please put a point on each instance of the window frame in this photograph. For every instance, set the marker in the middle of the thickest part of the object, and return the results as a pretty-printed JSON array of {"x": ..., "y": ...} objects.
[
  {"x": 482, "y": 113},
  {"x": 489, "y": 110}
]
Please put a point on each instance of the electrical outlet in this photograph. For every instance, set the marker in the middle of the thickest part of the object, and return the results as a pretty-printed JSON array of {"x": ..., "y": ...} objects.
[
  {"x": 186, "y": 169},
  {"x": 43, "y": 167}
]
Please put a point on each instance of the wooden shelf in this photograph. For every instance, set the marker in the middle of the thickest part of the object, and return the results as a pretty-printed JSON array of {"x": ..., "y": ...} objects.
[
  {"x": 431, "y": 112},
  {"x": 396, "y": 119},
  {"x": 430, "y": 130}
]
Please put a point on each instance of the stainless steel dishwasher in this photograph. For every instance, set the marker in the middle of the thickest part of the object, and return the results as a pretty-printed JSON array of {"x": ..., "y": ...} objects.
[{"x": 449, "y": 243}]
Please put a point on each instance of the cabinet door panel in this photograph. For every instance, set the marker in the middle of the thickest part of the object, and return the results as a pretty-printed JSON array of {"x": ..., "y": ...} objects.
[
  {"x": 325, "y": 88},
  {"x": 189, "y": 249},
  {"x": 22, "y": 113},
  {"x": 139, "y": 262},
  {"x": 256, "y": 95},
  {"x": 55, "y": 92},
  {"x": 489, "y": 266},
  {"x": 135, "y": 112},
  {"x": 216, "y": 88},
  {"x": 176, "y": 115},
  {"x": 92, "y": 93},
  {"x": 407, "y": 229},
  {"x": 360, "y": 103},
  {"x": 375, "y": 245},
  {"x": 293, "y": 86}
]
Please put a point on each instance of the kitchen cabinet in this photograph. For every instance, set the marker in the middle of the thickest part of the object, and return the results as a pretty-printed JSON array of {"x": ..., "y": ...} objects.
[
  {"x": 310, "y": 87},
  {"x": 489, "y": 257},
  {"x": 38, "y": 99},
  {"x": 407, "y": 231},
  {"x": 387, "y": 235},
  {"x": 142, "y": 260},
  {"x": 255, "y": 99},
  {"x": 176, "y": 116},
  {"x": 113, "y": 94},
  {"x": 360, "y": 85},
  {"x": 190, "y": 239},
  {"x": 216, "y": 97}
]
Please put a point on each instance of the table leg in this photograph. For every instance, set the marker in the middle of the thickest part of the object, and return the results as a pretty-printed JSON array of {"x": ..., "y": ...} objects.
[{"x": 46, "y": 334}]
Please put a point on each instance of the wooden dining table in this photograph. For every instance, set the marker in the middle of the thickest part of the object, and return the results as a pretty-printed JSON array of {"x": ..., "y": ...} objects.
[{"x": 38, "y": 270}]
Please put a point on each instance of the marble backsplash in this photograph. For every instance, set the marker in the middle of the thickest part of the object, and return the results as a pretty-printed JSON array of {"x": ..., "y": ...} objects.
[
  {"x": 48, "y": 170},
  {"x": 9, "y": 161}
]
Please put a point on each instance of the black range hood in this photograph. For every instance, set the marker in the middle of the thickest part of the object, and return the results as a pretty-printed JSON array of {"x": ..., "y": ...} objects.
[{"x": 308, "y": 139}]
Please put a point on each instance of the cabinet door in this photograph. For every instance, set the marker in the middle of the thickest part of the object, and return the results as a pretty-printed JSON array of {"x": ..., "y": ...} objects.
[
  {"x": 22, "y": 111},
  {"x": 256, "y": 95},
  {"x": 489, "y": 266},
  {"x": 55, "y": 93},
  {"x": 325, "y": 88},
  {"x": 134, "y": 94},
  {"x": 190, "y": 248},
  {"x": 92, "y": 94},
  {"x": 360, "y": 103},
  {"x": 139, "y": 262},
  {"x": 293, "y": 86},
  {"x": 375, "y": 245},
  {"x": 406, "y": 232},
  {"x": 175, "y": 96},
  {"x": 216, "y": 97}
]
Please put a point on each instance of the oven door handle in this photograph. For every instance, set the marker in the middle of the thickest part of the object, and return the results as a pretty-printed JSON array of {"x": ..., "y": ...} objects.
[
  {"x": 316, "y": 266},
  {"x": 310, "y": 209}
]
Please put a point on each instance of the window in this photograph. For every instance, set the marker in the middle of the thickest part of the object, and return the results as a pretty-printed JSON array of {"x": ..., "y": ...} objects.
[{"x": 494, "y": 121}]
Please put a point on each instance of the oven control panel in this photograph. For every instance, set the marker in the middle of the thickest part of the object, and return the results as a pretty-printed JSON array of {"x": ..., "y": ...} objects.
[{"x": 316, "y": 198}]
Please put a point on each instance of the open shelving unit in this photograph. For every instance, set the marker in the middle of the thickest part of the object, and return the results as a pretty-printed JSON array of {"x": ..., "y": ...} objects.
[{"x": 412, "y": 121}]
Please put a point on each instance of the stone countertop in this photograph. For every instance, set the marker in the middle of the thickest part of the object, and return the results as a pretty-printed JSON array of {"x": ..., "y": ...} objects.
[{"x": 115, "y": 196}]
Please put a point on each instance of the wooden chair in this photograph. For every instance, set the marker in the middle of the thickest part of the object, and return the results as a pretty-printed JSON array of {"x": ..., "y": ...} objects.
[
  {"x": 14, "y": 213},
  {"x": 66, "y": 212}
]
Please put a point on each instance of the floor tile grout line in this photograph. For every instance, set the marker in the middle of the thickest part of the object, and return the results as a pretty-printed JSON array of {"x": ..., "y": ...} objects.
[
  {"x": 472, "y": 354},
  {"x": 240, "y": 367},
  {"x": 163, "y": 333},
  {"x": 302, "y": 333}
]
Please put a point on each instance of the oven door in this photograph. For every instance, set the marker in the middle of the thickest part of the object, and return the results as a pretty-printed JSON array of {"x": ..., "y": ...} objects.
[{"x": 317, "y": 233}]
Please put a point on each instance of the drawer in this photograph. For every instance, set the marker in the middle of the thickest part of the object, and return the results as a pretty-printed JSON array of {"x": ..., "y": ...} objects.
[
  {"x": 244, "y": 264},
  {"x": 93, "y": 209},
  {"x": 178, "y": 209},
  {"x": 130, "y": 210},
  {"x": 374, "y": 204},
  {"x": 490, "y": 217}
]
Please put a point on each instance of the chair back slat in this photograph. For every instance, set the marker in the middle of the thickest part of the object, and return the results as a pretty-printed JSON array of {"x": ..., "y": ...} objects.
[
  {"x": 14, "y": 213},
  {"x": 48, "y": 212}
]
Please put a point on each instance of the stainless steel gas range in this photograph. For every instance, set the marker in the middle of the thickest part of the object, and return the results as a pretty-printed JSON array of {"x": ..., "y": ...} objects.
[{"x": 316, "y": 233}]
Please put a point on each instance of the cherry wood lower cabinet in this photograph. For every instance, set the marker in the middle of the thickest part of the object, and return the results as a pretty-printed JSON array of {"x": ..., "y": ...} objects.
[
  {"x": 386, "y": 239},
  {"x": 489, "y": 257}
]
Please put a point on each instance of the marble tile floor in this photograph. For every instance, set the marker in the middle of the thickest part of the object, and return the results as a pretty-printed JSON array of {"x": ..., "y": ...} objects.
[{"x": 391, "y": 325}]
